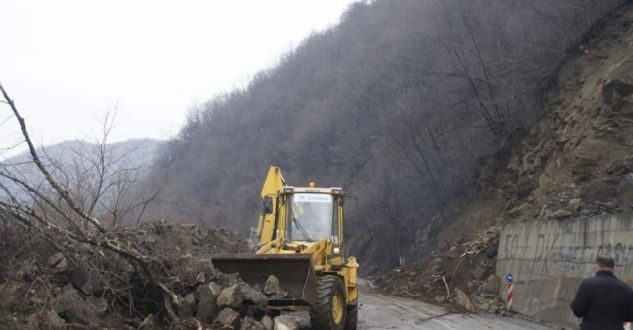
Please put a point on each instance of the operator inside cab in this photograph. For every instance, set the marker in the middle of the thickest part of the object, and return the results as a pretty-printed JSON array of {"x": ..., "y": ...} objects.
[{"x": 311, "y": 217}]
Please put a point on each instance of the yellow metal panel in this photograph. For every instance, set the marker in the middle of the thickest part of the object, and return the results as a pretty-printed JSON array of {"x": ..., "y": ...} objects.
[{"x": 272, "y": 185}]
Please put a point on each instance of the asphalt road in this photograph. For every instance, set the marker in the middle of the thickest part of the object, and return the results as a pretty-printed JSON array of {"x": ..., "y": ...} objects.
[{"x": 378, "y": 311}]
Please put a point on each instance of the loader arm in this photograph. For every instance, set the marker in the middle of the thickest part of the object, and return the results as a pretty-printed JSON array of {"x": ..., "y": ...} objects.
[{"x": 266, "y": 227}]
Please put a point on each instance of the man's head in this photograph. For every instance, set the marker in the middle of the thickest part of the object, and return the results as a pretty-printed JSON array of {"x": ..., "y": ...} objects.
[{"x": 605, "y": 263}]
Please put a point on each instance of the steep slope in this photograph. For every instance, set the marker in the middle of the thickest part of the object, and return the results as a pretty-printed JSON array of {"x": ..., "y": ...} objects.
[
  {"x": 401, "y": 104},
  {"x": 576, "y": 160}
]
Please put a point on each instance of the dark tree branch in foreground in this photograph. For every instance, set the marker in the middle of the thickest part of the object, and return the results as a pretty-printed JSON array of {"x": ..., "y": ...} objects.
[{"x": 64, "y": 207}]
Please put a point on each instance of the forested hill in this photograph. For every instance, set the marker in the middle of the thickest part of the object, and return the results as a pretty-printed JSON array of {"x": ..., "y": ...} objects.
[{"x": 401, "y": 103}]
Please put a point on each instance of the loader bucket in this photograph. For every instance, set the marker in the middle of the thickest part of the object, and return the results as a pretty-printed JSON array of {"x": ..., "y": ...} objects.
[{"x": 294, "y": 271}]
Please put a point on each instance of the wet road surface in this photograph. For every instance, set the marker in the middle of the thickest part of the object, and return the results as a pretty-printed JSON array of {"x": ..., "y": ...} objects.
[{"x": 378, "y": 311}]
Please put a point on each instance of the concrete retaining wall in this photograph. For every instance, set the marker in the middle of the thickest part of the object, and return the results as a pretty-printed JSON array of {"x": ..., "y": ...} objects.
[{"x": 550, "y": 259}]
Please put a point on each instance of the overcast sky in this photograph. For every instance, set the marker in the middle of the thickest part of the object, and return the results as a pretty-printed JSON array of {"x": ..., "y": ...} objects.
[{"x": 66, "y": 63}]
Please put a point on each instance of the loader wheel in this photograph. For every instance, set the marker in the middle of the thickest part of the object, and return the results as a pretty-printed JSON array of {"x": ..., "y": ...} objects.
[
  {"x": 329, "y": 311},
  {"x": 352, "y": 317}
]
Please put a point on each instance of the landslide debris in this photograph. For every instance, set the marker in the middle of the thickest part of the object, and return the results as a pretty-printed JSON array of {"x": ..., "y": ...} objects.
[
  {"x": 577, "y": 159},
  {"x": 43, "y": 289}
]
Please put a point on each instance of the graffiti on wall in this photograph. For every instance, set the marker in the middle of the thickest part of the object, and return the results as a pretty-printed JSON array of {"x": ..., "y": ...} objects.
[
  {"x": 549, "y": 260},
  {"x": 549, "y": 250}
]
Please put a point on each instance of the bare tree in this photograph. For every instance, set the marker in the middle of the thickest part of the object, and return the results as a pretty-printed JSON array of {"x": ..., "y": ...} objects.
[{"x": 56, "y": 216}]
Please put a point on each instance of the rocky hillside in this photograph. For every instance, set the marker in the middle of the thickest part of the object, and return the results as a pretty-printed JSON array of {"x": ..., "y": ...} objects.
[
  {"x": 576, "y": 160},
  {"x": 401, "y": 104}
]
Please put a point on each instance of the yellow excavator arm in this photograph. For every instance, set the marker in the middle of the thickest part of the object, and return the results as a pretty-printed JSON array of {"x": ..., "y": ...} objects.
[{"x": 270, "y": 206}]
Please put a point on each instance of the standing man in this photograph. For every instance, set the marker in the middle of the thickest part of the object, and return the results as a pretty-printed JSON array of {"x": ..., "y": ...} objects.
[{"x": 603, "y": 301}]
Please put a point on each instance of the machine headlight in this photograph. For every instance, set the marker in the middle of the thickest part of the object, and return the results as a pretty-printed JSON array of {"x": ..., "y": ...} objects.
[{"x": 336, "y": 250}]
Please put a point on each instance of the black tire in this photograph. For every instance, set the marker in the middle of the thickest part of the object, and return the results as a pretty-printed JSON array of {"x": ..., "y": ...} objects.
[
  {"x": 352, "y": 318},
  {"x": 321, "y": 315}
]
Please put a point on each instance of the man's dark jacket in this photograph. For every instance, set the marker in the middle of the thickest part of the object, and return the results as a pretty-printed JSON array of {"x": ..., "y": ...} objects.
[{"x": 603, "y": 302}]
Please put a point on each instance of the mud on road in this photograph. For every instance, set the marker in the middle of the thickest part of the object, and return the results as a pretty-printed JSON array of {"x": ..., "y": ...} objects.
[{"x": 378, "y": 311}]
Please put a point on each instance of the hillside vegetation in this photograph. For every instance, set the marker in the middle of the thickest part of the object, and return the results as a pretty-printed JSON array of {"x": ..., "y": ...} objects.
[
  {"x": 402, "y": 103},
  {"x": 574, "y": 163}
]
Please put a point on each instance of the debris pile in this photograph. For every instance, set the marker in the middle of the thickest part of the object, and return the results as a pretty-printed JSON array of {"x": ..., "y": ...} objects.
[
  {"x": 44, "y": 288},
  {"x": 461, "y": 277}
]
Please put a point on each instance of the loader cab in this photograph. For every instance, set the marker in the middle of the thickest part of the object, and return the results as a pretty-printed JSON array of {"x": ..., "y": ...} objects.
[{"x": 314, "y": 214}]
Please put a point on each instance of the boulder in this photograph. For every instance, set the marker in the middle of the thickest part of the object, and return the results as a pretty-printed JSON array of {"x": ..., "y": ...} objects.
[
  {"x": 250, "y": 294},
  {"x": 624, "y": 193},
  {"x": 99, "y": 305},
  {"x": 188, "y": 323},
  {"x": 268, "y": 322},
  {"x": 209, "y": 290},
  {"x": 273, "y": 288},
  {"x": 440, "y": 299},
  {"x": 597, "y": 191},
  {"x": 616, "y": 91},
  {"x": 230, "y": 297},
  {"x": 206, "y": 310},
  {"x": 80, "y": 279},
  {"x": 250, "y": 324},
  {"x": 490, "y": 286},
  {"x": 74, "y": 308},
  {"x": 45, "y": 320},
  {"x": 227, "y": 319},
  {"x": 57, "y": 261},
  {"x": 287, "y": 322},
  {"x": 200, "y": 278},
  {"x": 185, "y": 309},
  {"x": 479, "y": 272},
  {"x": 462, "y": 299}
]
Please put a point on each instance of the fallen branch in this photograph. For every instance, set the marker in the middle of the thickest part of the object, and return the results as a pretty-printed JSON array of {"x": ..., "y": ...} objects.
[{"x": 448, "y": 292}]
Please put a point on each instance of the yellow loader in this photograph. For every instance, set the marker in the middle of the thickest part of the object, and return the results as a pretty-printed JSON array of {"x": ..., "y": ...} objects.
[{"x": 300, "y": 241}]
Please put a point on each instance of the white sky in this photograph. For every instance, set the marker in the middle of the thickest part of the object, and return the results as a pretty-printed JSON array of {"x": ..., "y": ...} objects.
[{"x": 66, "y": 63}]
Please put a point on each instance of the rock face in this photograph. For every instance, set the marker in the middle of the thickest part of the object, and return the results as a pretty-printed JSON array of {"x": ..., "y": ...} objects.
[{"x": 625, "y": 192}]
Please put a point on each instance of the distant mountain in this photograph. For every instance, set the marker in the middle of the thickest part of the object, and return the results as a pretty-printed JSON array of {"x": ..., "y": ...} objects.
[
  {"x": 75, "y": 160},
  {"x": 137, "y": 151}
]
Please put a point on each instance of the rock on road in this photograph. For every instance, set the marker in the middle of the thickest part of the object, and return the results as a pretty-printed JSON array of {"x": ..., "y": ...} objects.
[{"x": 378, "y": 311}]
